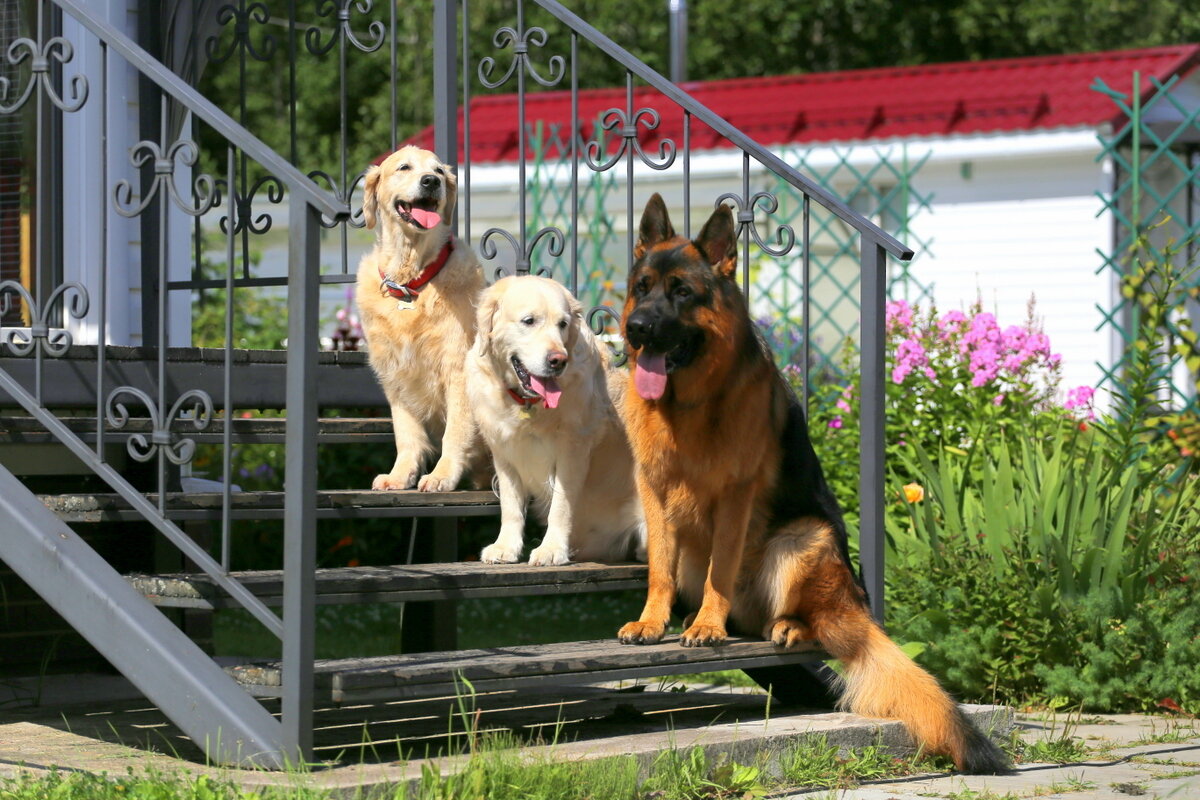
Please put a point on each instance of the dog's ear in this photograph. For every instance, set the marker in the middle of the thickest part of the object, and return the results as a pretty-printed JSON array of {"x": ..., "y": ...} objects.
[
  {"x": 451, "y": 203},
  {"x": 718, "y": 241},
  {"x": 576, "y": 324},
  {"x": 485, "y": 315},
  {"x": 655, "y": 226},
  {"x": 370, "y": 196}
]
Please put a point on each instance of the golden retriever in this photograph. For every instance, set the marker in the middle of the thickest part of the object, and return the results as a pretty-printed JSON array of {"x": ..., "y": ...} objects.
[
  {"x": 417, "y": 290},
  {"x": 539, "y": 382}
]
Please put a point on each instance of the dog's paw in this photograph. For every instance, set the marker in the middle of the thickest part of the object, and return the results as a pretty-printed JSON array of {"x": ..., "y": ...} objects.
[
  {"x": 392, "y": 482},
  {"x": 703, "y": 636},
  {"x": 641, "y": 632},
  {"x": 436, "y": 483},
  {"x": 548, "y": 556},
  {"x": 787, "y": 632},
  {"x": 497, "y": 553}
]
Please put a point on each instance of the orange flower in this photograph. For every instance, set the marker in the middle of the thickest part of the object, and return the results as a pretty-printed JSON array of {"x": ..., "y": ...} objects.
[{"x": 914, "y": 493}]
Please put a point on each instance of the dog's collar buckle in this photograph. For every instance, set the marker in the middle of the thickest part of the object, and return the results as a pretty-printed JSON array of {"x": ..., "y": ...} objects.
[{"x": 407, "y": 293}]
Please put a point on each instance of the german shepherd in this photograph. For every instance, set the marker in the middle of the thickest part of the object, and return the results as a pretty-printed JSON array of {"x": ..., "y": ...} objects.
[{"x": 740, "y": 521}]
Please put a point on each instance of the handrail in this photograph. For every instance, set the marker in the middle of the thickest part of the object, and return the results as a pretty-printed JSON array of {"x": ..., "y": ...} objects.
[
  {"x": 221, "y": 122},
  {"x": 701, "y": 112}
]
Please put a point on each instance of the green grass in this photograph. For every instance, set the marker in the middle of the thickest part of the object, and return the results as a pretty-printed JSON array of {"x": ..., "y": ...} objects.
[{"x": 497, "y": 770}]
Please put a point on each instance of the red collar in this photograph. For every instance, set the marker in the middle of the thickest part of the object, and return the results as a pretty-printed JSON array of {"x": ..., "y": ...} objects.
[
  {"x": 525, "y": 401},
  {"x": 410, "y": 290}
]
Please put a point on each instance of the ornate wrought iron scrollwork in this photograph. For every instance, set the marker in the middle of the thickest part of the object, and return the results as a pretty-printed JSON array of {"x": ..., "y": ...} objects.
[
  {"x": 243, "y": 206},
  {"x": 785, "y": 236},
  {"x": 204, "y": 188},
  {"x": 177, "y": 449},
  {"x": 555, "y": 245},
  {"x": 241, "y": 16},
  {"x": 58, "y": 49},
  {"x": 535, "y": 37},
  {"x": 596, "y": 321},
  {"x": 341, "y": 8},
  {"x": 356, "y": 219},
  {"x": 50, "y": 341},
  {"x": 614, "y": 118}
]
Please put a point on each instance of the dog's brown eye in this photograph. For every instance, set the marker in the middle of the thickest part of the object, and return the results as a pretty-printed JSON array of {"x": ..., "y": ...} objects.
[
  {"x": 403, "y": 168},
  {"x": 683, "y": 292},
  {"x": 440, "y": 171},
  {"x": 562, "y": 323},
  {"x": 642, "y": 286},
  {"x": 527, "y": 321}
]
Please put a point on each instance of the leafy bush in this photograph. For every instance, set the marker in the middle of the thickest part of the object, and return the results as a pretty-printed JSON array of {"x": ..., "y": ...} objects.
[{"x": 1060, "y": 566}]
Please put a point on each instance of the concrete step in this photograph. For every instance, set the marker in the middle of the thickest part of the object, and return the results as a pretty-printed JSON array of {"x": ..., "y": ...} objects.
[
  {"x": 523, "y": 666},
  {"x": 389, "y": 584}
]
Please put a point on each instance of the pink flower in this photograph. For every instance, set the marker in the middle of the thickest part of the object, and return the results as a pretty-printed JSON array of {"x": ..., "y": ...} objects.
[
  {"x": 836, "y": 422},
  {"x": 998, "y": 400},
  {"x": 842, "y": 405}
]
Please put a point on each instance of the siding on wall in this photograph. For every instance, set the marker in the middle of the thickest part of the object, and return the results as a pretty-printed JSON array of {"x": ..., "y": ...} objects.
[{"x": 1009, "y": 227}]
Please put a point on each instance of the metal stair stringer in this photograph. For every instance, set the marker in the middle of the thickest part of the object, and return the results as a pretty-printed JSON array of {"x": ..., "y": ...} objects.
[{"x": 135, "y": 637}]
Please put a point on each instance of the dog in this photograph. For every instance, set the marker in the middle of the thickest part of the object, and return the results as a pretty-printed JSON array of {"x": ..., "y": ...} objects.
[
  {"x": 740, "y": 522},
  {"x": 539, "y": 384},
  {"x": 417, "y": 291}
]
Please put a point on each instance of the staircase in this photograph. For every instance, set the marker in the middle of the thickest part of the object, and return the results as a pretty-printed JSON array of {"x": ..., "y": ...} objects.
[{"x": 114, "y": 408}]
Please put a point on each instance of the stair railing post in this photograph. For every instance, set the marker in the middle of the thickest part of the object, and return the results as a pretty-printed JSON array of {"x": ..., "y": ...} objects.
[
  {"x": 872, "y": 329},
  {"x": 300, "y": 484},
  {"x": 445, "y": 83}
]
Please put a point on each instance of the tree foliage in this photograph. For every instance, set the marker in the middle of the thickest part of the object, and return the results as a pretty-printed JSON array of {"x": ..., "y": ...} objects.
[{"x": 749, "y": 38}]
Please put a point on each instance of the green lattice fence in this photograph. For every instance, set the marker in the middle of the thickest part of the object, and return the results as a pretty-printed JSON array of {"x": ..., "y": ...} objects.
[
  {"x": 876, "y": 181},
  {"x": 1155, "y": 196}
]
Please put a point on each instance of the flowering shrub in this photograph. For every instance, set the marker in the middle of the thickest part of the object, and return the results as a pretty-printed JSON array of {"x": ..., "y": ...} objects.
[{"x": 952, "y": 379}]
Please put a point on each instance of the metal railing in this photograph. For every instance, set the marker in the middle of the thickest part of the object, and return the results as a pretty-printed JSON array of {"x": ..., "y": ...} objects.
[
  {"x": 159, "y": 191},
  {"x": 161, "y": 182}
]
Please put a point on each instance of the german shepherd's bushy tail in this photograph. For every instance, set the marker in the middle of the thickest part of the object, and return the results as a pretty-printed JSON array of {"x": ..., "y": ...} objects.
[{"x": 881, "y": 681}]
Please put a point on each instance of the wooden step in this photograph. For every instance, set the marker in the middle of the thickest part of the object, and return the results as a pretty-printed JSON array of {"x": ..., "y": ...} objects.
[
  {"x": 255, "y": 430},
  {"x": 425, "y": 674},
  {"x": 391, "y": 584},
  {"x": 331, "y": 504}
]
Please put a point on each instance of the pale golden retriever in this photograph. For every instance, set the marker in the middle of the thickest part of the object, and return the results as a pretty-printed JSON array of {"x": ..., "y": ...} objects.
[
  {"x": 417, "y": 290},
  {"x": 539, "y": 383}
]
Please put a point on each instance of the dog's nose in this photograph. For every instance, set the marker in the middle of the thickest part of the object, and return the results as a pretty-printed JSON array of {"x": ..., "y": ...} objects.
[
  {"x": 430, "y": 182},
  {"x": 556, "y": 360},
  {"x": 639, "y": 328}
]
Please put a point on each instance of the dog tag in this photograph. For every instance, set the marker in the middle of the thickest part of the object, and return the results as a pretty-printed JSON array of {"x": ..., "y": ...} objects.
[
  {"x": 405, "y": 304},
  {"x": 526, "y": 412}
]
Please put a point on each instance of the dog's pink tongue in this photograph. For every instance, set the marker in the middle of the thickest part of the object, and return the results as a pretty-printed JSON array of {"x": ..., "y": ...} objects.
[
  {"x": 426, "y": 219},
  {"x": 547, "y": 388},
  {"x": 650, "y": 376}
]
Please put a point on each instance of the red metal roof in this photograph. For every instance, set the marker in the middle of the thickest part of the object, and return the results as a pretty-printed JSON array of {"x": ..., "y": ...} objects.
[{"x": 1018, "y": 94}]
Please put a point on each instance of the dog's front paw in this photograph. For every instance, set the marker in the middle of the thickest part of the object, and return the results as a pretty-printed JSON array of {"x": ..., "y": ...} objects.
[
  {"x": 641, "y": 632},
  {"x": 391, "y": 482},
  {"x": 499, "y": 553},
  {"x": 437, "y": 483},
  {"x": 787, "y": 632},
  {"x": 703, "y": 636},
  {"x": 548, "y": 555}
]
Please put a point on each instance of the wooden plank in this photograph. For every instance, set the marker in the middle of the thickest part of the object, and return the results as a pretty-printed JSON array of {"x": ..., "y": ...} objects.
[
  {"x": 344, "y": 379},
  {"x": 336, "y": 503},
  {"x": 257, "y": 430},
  {"x": 382, "y": 584},
  {"x": 526, "y": 665}
]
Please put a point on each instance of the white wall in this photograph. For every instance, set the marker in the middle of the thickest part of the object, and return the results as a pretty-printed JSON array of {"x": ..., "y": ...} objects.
[{"x": 1017, "y": 216}]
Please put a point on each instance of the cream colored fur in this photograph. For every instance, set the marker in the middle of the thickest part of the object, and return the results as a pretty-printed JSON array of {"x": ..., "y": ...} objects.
[
  {"x": 418, "y": 353},
  {"x": 570, "y": 464}
]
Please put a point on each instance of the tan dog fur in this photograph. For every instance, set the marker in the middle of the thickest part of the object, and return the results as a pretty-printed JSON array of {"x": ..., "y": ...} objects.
[
  {"x": 417, "y": 354},
  {"x": 570, "y": 463}
]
